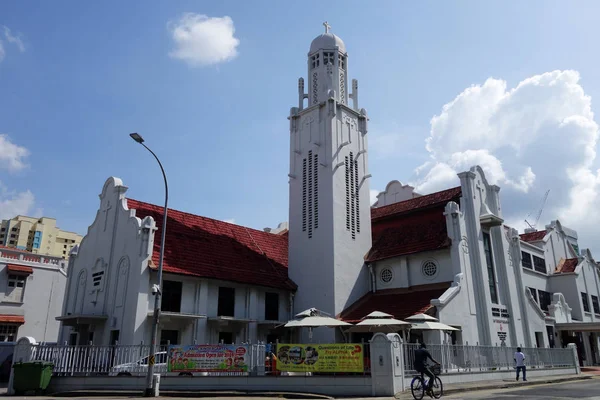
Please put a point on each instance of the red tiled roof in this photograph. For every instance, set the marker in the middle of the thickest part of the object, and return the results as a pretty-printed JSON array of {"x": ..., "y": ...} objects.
[
  {"x": 209, "y": 248},
  {"x": 409, "y": 234},
  {"x": 401, "y": 303},
  {"x": 411, "y": 226},
  {"x": 14, "y": 249},
  {"x": 19, "y": 268},
  {"x": 12, "y": 319},
  {"x": 566, "y": 266},
  {"x": 430, "y": 200},
  {"x": 533, "y": 236}
]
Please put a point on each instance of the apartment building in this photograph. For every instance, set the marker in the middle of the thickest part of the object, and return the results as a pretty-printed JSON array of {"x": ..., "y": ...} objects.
[{"x": 37, "y": 235}]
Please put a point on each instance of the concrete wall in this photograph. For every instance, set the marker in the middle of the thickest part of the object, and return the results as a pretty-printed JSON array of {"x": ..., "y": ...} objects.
[
  {"x": 408, "y": 270},
  {"x": 327, "y": 261},
  {"x": 109, "y": 275},
  {"x": 118, "y": 246},
  {"x": 42, "y": 296},
  {"x": 338, "y": 386}
]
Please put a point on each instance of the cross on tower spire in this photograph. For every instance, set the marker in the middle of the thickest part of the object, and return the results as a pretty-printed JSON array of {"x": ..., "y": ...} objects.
[{"x": 327, "y": 26}]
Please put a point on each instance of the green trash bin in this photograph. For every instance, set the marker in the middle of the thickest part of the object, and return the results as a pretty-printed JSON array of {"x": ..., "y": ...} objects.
[{"x": 32, "y": 376}]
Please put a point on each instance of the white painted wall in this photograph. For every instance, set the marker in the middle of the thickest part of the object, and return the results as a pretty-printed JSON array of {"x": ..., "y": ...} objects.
[
  {"x": 328, "y": 265},
  {"x": 118, "y": 245},
  {"x": 408, "y": 270},
  {"x": 41, "y": 298}
]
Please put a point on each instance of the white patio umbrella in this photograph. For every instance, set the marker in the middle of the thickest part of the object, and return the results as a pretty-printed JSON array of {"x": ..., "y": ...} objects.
[
  {"x": 424, "y": 322},
  {"x": 313, "y": 318},
  {"x": 378, "y": 321}
]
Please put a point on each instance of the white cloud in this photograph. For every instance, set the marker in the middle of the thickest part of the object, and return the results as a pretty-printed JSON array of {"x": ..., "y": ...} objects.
[
  {"x": 537, "y": 136},
  {"x": 16, "y": 40},
  {"x": 15, "y": 203},
  {"x": 12, "y": 156},
  {"x": 201, "y": 40},
  {"x": 2, "y": 52},
  {"x": 230, "y": 220},
  {"x": 12, "y": 203}
]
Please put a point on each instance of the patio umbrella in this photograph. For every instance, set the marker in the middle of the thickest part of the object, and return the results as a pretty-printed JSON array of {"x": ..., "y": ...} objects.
[
  {"x": 378, "y": 321},
  {"x": 313, "y": 318},
  {"x": 424, "y": 322}
]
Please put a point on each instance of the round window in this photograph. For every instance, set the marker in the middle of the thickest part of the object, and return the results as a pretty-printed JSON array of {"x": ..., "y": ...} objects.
[
  {"x": 386, "y": 275},
  {"x": 429, "y": 269}
]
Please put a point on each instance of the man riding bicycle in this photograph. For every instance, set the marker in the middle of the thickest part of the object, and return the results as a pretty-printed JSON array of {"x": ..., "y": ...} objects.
[{"x": 421, "y": 356}]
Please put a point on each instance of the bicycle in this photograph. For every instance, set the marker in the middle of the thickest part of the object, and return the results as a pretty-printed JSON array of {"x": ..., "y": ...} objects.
[{"x": 419, "y": 383}]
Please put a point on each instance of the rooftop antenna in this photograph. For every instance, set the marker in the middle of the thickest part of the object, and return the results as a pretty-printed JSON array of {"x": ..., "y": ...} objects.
[{"x": 532, "y": 227}]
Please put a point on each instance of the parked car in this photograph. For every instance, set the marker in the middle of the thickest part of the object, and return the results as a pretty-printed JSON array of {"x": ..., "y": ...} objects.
[{"x": 140, "y": 367}]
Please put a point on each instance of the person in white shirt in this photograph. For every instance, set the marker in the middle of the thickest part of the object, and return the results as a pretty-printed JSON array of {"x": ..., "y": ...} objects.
[{"x": 520, "y": 361}]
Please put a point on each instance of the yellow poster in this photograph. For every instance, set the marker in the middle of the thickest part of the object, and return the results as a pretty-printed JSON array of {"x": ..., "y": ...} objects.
[{"x": 339, "y": 357}]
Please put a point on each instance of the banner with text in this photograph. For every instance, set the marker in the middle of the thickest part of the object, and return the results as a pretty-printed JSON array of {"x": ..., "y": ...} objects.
[
  {"x": 209, "y": 358},
  {"x": 337, "y": 357}
]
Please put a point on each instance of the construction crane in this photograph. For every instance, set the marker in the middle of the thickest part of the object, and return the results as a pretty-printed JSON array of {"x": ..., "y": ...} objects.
[{"x": 539, "y": 214}]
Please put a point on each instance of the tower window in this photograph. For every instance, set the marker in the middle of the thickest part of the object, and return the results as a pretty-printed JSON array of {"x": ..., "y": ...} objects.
[
  {"x": 356, "y": 194},
  {"x": 316, "y": 189},
  {"x": 342, "y": 61},
  {"x": 304, "y": 195},
  {"x": 315, "y": 60},
  {"x": 352, "y": 203},
  {"x": 328, "y": 58},
  {"x": 310, "y": 193},
  {"x": 347, "y": 176},
  {"x": 489, "y": 258}
]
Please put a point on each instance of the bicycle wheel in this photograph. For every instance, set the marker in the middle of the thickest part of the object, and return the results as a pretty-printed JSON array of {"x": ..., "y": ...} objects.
[
  {"x": 417, "y": 388},
  {"x": 437, "y": 388}
]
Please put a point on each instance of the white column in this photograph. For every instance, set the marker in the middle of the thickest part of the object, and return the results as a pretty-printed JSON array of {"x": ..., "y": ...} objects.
[
  {"x": 573, "y": 347},
  {"x": 387, "y": 364},
  {"x": 253, "y": 316}
]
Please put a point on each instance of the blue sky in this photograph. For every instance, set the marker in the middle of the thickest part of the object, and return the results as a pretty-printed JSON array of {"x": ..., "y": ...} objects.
[{"x": 92, "y": 72}]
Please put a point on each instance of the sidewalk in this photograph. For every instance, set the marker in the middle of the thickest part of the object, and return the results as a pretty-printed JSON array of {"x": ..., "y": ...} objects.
[
  {"x": 499, "y": 384},
  {"x": 233, "y": 395}
]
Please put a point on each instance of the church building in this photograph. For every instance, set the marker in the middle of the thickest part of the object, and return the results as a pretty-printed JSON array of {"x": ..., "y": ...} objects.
[{"x": 448, "y": 254}]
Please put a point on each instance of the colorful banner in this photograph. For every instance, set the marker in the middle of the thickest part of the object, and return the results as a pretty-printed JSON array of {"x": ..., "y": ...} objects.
[
  {"x": 337, "y": 357},
  {"x": 209, "y": 358}
]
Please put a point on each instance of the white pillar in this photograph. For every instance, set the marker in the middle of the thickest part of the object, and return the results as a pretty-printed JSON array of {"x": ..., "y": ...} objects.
[
  {"x": 387, "y": 364},
  {"x": 573, "y": 347}
]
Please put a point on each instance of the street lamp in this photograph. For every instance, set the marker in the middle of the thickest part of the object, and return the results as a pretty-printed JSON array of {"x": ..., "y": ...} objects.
[{"x": 157, "y": 288}]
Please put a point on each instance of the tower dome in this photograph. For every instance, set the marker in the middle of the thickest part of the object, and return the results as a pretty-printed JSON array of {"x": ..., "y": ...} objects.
[{"x": 327, "y": 41}]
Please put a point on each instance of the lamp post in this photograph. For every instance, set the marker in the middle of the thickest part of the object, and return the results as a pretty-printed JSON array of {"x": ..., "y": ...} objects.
[{"x": 157, "y": 288}]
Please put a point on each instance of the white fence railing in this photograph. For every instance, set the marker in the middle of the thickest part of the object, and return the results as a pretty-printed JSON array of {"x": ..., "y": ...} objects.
[
  {"x": 463, "y": 358},
  {"x": 132, "y": 360}
]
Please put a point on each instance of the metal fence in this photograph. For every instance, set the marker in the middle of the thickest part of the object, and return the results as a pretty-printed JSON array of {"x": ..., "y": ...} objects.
[
  {"x": 465, "y": 358},
  {"x": 132, "y": 360}
]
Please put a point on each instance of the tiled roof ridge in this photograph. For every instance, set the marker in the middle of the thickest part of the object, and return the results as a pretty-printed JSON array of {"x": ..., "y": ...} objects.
[
  {"x": 533, "y": 236},
  {"x": 419, "y": 288},
  {"x": 567, "y": 265},
  {"x": 419, "y": 199},
  {"x": 414, "y": 289},
  {"x": 23, "y": 251},
  {"x": 265, "y": 249},
  {"x": 160, "y": 208}
]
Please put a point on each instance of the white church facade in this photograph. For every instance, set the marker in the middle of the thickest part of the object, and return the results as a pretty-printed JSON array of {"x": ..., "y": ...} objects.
[{"x": 448, "y": 254}]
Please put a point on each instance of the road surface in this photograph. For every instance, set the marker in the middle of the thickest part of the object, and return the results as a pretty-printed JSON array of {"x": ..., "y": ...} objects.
[{"x": 587, "y": 389}]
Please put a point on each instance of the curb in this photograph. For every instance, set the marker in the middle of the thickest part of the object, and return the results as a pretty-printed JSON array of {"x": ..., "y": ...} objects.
[
  {"x": 504, "y": 385},
  {"x": 192, "y": 394},
  {"x": 510, "y": 385}
]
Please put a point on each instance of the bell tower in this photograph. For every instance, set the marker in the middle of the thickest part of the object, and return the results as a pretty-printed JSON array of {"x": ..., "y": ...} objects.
[{"x": 330, "y": 215}]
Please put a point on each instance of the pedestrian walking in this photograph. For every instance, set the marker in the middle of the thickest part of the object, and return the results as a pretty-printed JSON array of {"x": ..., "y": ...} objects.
[{"x": 520, "y": 362}]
